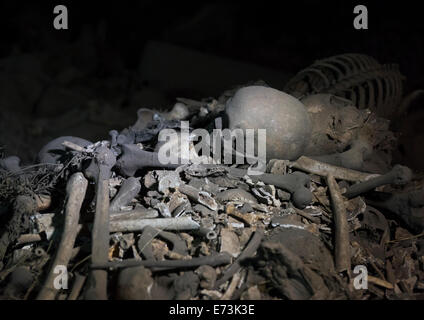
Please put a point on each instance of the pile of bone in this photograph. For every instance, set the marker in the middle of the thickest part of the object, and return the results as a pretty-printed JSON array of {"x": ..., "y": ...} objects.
[{"x": 129, "y": 227}]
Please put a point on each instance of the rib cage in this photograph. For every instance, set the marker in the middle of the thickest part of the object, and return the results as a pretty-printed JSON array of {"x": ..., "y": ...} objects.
[{"x": 357, "y": 77}]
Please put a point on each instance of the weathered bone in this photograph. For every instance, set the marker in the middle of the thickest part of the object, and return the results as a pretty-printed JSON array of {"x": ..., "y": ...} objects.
[
  {"x": 198, "y": 196},
  {"x": 134, "y": 159},
  {"x": 144, "y": 242},
  {"x": 206, "y": 233},
  {"x": 97, "y": 282},
  {"x": 137, "y": 213},
  {"x": 211, "y": 260},
  {"x": 76, "y": 189},
  {"x": 128, "y": 191},
  {"x": 296, "y": 183},
  {"x": 236, "y": 195},
  {"x": 323, "y": 169},
  {"x": 149, "y": 233},
  {"x": 249, "y": 251},
  {"x": 181, "y": 223},
  {"x": 351, "y": 159},
  {"x": 399, "y": 175},
  {"x": 77, "y": 286},
  {"x": 342, "y": 244}
]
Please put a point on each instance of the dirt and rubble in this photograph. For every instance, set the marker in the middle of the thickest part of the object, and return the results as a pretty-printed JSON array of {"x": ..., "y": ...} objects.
[{"x": 120, "y": 224}]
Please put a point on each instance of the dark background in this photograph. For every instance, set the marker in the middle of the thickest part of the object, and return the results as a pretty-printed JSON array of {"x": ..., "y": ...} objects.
[
  {"x": 285, "y": 35},
  {"x": 107, "y": 40}
]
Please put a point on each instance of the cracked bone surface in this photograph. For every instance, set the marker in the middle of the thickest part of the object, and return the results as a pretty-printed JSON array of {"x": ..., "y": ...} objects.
[
  {"x": 133, "y": 158},
  {"x": 199, "y": 196},
  {"x": 297, "y": 183},
  {"x": 399, "y": 175},
  {"x": 129, "y": 189}
]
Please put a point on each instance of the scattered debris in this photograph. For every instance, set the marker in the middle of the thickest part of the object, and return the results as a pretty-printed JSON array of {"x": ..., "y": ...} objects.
[{"x": 126, "y": 225}]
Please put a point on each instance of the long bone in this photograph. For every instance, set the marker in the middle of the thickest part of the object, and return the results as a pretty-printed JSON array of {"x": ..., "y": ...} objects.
[
  {"x": 324, "y": 169},
  {"x": 77, "y": 287},
  {"x": 137, "y": 213},
  {"x": 399, "y": 175},
  {"x": 176, "y": 224},
  {"x": 97, "y": 282},
  {"x": 351, "y": 159},
  {"x": 342, "y": 244},
  {"x": 215, "y": 259},
  {"x": 134, "y": 159},
  {"x": 76, "y": 189}
]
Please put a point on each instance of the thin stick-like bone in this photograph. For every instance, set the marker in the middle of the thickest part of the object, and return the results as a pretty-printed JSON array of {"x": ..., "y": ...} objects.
[
  {"x": 323, "y": 169},
  {"x": 97, "y": 282},
  {"x": 77, "y": 286},
  {"x": 380, "y": 282},
  {"x": 74, "y": 146},
  {"x": 137, "y": 213},
  {"x": 179, "y": 224},
  {"x": 247, "y": 252},
  {"x": 342, "y": 243},
  {"x": 398, "y": 175},
  {"x": 231, "y": 288},
  {"x": 212, "y": 260},
  {"x": 76, "y": 189}
]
